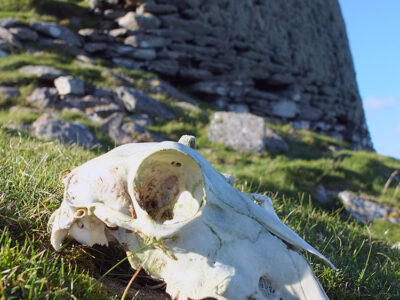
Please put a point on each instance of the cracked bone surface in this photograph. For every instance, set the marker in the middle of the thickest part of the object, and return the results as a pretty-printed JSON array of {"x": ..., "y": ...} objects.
[{"x": 206, "y": 239}]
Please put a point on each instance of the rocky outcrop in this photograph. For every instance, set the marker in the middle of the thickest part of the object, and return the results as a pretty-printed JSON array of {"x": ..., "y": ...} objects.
[
  {"x": 122, "y": 115},
  {"x": 284, "y": 60},
  {"x": 365, "y": 210}
]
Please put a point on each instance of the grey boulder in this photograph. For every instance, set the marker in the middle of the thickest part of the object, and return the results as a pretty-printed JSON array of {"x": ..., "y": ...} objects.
[
  {"x": 42, "y": 72},
  {"x": 10, "y": 38},
  {"x": 24, "y": 33},
  {"x": 126, "y": 132},
  {"x": 365, "y": 210},
  {"x": 139, "y": 102},
  {"x": 8, "y": 22},
  {"x": 43, "y": 97},
  {"x": 7, "y": 92},
  {"x": 67, "y": 132},
  {"x": 274, "y": 143},
  {"x": 243, "y": 132}
]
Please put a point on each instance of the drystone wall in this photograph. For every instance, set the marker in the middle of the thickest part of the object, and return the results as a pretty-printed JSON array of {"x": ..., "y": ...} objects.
[{"x": 286, "y": 60}]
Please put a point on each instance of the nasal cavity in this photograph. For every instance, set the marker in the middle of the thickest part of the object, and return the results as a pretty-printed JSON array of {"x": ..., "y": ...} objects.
[
  {"x": 266, "y": 287},
  {"x": 158, "y": 195}
]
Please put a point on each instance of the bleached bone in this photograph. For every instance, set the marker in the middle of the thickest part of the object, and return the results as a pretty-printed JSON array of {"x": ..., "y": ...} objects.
[{"x": 207, "y": 239}]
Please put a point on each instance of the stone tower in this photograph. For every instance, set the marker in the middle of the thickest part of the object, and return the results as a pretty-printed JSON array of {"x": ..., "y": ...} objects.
[{"x": 285, "y": 60}]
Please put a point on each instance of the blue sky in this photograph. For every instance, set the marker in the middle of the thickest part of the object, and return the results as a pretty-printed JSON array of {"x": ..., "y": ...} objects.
[{"x": 373, "y": 29}]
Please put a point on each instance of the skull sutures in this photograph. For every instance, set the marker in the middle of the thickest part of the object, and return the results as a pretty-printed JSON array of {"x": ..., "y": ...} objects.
[{"x": 207, "y": 239}]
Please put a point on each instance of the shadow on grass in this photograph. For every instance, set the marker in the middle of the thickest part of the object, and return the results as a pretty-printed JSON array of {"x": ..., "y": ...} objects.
[{"x": 62, "y": 9}]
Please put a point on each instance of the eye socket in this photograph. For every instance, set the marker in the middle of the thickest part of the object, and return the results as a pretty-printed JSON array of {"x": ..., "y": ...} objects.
[
  {"x": 169, "y": 186},
  {"x": 80, "y": 224}
]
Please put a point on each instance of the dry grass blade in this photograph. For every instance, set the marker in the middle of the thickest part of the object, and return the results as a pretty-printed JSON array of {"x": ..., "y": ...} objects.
[
  {"x": 388, "y": 182},
  {"x": 131, "y": 281}
]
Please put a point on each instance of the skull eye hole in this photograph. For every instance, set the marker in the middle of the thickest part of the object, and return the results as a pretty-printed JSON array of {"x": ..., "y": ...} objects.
[{"x": 168, "y": 189}]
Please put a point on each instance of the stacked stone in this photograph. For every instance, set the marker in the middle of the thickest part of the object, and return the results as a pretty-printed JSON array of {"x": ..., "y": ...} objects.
[{"x": 284, "y": 60}]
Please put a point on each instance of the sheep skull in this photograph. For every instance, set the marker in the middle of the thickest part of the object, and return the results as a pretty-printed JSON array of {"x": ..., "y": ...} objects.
[{"x": 208, "y": 240}]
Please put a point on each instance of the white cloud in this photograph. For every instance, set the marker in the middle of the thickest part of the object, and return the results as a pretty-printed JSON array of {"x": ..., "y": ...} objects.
[{"x": 379, "y": 103}]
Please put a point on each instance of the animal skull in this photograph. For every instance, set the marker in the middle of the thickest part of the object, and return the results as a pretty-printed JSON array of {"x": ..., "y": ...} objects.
[{"x": 208, "y": 240}]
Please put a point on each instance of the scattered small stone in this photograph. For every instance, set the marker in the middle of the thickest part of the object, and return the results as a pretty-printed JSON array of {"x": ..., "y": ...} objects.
[
  {"x": 138, "y": 134},
  {"x": 9, "y": 38},
  {"x": 119, "y": 32},
  {"x": 274, "y": 143},
  {"x": 58, "y": 32},
  {"x": 8, "y": 22},
  {"x": 24, "y": 33},
  {"x": 42, "y": 72},
  {"x": 94, "y": 35},
  {"x": 95, "y": 47},
  {"x": 67, "y": 132},
  {"x": 365, "y": 210},
  {"x": 82, "y": 103},
  {"x": 43, "y": 97},
  {"x": 141, "y": 119},
  {"x": 68, "y": 85},
  {"x": 238, "y": 108},
  {"x": 138, "y": 102},
  {"x": 285, "y": 109},
  {"x": 134, "y": 21},
  {"x": 100, "y": 112},
  {"x": 126, "y": 132},
  {"x": 112, "y": 127},
  {"x": 7, "y": 92},
  {"x": 144, "y": 54},
  {"x": 103, "y": 92},
  {"x": 113, "y": 14},
  {"x": 321, "y": 195},
  {"x": 145, "y": 41}
]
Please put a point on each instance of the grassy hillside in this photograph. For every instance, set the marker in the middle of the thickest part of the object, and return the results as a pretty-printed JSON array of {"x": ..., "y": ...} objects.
[{"x": 30, "y": 187}]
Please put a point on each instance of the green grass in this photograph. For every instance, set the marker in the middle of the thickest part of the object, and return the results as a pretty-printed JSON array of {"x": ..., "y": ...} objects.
[
  {"x": 382, "y": 229},
  {"x": 30, "y": 191},
  {"x": 20, "y": 115},
  {"x": 30, "y": 177}
]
